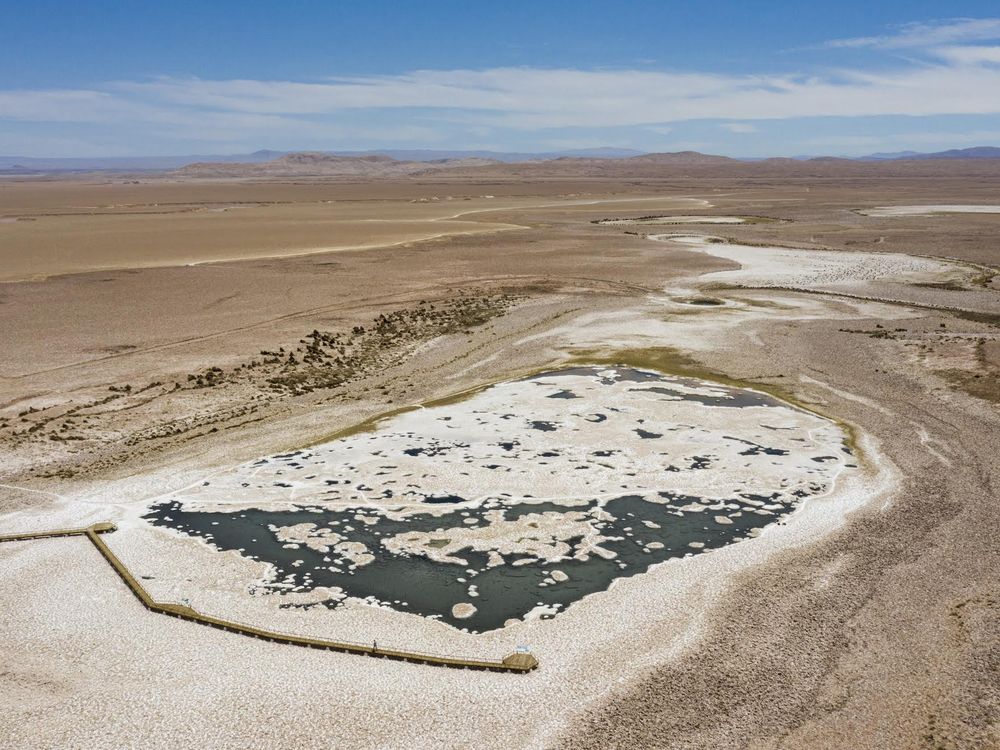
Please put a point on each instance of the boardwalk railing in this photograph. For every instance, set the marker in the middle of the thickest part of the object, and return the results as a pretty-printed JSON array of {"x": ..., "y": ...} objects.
[{"x": 519, "y": 663}]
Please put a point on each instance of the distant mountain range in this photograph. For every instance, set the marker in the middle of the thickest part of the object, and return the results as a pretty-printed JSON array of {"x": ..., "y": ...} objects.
[
  {"x": 321, "y": 164},
  {"x": 31, "y": 164},
  {"x": 976, "y": 152},
  {"x": 502, "y": 156},
  {"x": 392, "y": 162},
  {"x": 35, "y": 165},
  {"x": 376, "y": 165}
]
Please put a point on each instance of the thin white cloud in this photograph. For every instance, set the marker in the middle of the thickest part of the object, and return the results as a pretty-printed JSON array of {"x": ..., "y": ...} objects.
[
  {"x": 425, "y": 106},
  {"x": 929, "y": 34},
  {"x": 533, "y": 98},
  {"x": 740, "y": 127},
  {"x": 57, "y": 105},
  {"x": 969, "y": 54},
  {"x": 527, "y": 98}
]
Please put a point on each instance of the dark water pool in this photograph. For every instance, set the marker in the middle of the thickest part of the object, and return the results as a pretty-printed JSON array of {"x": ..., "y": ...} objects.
[
  {"x": 482, "y": 537},
  {"x": 418, "y": 584}
]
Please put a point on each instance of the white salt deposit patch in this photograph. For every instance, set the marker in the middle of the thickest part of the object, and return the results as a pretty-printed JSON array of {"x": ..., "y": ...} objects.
[
  {"x": 812, "y": 269},
  {"x": 589, "y": 433},
  {"x": 886, "y": 211},
  {"x": 666, "y": 220}
]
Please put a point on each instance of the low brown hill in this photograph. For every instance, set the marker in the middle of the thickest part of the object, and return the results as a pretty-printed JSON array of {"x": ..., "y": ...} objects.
[
  {"x": 310, "y": 164},
  {"x": 704, "y": 166},
  {"x": 681, "y": 158},
  {"x": 319, "y": 164}
]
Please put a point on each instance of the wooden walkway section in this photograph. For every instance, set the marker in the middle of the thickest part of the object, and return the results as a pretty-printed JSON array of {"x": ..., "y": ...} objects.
[{"x": 518, "y": 663}]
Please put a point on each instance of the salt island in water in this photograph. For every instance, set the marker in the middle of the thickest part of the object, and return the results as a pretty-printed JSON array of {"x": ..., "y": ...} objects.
[{"x": 521, "y": 499}]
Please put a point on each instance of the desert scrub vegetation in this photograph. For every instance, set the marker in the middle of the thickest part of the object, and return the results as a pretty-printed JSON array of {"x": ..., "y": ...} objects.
[
  {"x": 128, "y": 417},
  {"x": 327, "y": 360},
  {"x": 330, "y": 359}
]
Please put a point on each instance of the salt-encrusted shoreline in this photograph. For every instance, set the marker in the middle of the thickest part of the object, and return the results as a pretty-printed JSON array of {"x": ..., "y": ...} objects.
[{"x": 605, "y": 638}]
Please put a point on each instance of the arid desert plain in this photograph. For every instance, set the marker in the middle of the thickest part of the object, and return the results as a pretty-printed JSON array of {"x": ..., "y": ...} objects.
[{"x": 716, "y": 447}]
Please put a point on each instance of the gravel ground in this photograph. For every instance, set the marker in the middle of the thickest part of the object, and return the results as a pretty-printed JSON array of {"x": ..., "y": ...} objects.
[{"x": 867, "y": 620}]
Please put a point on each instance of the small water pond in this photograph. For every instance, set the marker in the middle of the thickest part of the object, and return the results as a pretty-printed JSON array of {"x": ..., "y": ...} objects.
[{"x": 521, "y": 499}]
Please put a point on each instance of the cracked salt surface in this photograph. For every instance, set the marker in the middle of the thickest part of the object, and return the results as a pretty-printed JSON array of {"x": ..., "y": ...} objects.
[{"x": 524, "y": 498}]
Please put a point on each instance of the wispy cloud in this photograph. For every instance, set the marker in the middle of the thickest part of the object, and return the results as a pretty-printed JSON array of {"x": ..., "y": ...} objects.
[
  {"x": 739, "y": 127},
  {"x": 532, "y": 98},
  {"x": 928, "y": 34},
  {"x": 522, "y": 98},
  {"x": 969, "y": 54},
  {"x": 427, "y": 107}
]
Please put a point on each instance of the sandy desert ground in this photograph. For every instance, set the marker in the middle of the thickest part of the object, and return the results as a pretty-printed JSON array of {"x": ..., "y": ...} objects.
[{"x": 160, "y": 332}]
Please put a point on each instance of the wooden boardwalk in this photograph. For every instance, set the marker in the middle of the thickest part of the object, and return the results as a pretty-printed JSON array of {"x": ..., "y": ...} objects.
[{"x": 518, "y": 663}]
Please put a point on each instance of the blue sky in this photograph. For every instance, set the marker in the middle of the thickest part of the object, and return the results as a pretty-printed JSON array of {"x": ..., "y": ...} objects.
[{"x": 738, "y": 78}]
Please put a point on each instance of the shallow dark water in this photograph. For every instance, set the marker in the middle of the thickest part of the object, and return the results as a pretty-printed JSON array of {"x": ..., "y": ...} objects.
[{"x": 431, "y": 588}]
